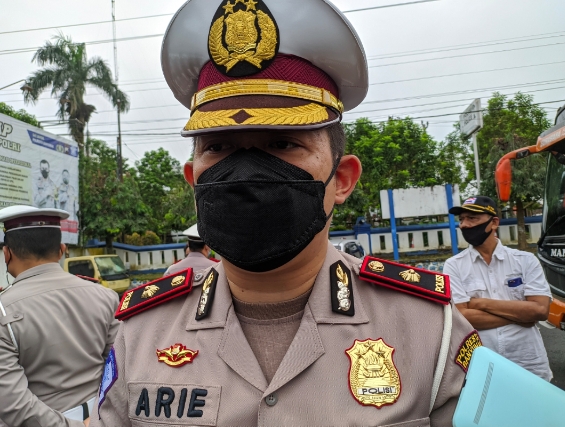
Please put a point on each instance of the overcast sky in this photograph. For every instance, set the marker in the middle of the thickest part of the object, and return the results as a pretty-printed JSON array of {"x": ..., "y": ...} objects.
[{"x": 426, "y": 59}]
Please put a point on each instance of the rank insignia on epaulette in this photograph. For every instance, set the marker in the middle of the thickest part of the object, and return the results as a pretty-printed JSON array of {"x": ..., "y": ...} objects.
[
  {"x": 416, "y": 281},
  {"x": 153, "y": 293},
  {"x": 341, "y": 289},
  {"x": 207, "y": 295}
]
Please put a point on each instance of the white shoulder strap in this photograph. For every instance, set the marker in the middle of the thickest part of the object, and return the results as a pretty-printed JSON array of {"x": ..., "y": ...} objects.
[
  {"x": 443, "y": 352},
  {"x": 12, "y": 336}
]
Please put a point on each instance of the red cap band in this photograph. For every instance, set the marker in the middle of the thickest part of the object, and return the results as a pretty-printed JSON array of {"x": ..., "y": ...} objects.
[{"x": 288, "y": 68}]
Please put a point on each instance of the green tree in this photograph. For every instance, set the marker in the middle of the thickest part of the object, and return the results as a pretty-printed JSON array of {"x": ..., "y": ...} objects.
[
  {"x": 165, "y": 192},
  {"x": 22, "y": 114},
  {"x": 68, "y": 71},
  {"x": 510, "y": 124},
  {"x": 109, "y": 208},
  {"x": 398, "y": 153}
]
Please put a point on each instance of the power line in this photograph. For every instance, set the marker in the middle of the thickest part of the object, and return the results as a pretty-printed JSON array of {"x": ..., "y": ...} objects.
[
  {"x": 467, "y": 54},
  {"x": 388, "y": 5},
  {"x": 542, "y": 83},
  {"x": 467, "y": 73},
  {"x": 475, "y": 45},
  {"x": 33, "y": 49},
  {"x": 85, "y": 23},
  {"x": 171, "y": 14}
]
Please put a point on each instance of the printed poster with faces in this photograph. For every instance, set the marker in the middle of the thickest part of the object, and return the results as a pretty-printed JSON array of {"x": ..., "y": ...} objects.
[{"x": 39, "y": 169}]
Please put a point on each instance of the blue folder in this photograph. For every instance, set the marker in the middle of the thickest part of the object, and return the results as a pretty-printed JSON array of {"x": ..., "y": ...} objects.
[{"x": 499, "y": 393}]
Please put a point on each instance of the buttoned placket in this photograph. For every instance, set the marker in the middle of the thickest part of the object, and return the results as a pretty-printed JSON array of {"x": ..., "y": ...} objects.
[
  {"x": 492, "y": 287},
  {"x": 304, "y": 350}
]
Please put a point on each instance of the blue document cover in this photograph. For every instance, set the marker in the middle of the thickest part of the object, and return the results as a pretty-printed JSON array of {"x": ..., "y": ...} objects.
[{"x": 499, "y": 393}]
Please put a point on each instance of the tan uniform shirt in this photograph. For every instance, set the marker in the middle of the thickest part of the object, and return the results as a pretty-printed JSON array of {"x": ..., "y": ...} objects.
[
  {"x": 194, "y": 260},
  {"x": 64, "y": 327},
  {"x": 224, "y": 384}
]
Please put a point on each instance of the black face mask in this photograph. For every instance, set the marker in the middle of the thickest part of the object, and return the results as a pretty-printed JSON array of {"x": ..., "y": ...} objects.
[
  {"x": 44, "y": 173},
  {"x": 258, "y": 211},
  {"x": 476, "y": 235}
]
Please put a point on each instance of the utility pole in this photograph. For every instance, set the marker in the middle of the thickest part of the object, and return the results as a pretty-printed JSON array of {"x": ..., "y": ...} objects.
[{"x": 119, "y": 140}]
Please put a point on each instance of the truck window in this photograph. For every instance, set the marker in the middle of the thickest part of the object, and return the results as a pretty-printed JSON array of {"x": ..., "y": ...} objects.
[
  {"x": 82, "y": 268},
  {"x": 353, "y": 249}
]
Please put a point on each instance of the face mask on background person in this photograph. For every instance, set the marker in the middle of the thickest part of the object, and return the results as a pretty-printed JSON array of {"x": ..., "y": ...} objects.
[
  {"x": 477, "y": 235},
  {"x": 258, "y": 211},
  {"x": 44, "y": 173}
]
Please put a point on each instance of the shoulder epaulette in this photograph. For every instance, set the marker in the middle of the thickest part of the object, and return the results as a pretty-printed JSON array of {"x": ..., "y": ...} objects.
[
  {"x": 154, "y": 293},
  {"x": 405, "y": 278}
]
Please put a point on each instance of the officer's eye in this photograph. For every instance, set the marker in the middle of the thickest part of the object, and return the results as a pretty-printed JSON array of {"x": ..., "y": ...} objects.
[
  {"x": 215, "y": 147},
  {"x": 282, "y": 145}
]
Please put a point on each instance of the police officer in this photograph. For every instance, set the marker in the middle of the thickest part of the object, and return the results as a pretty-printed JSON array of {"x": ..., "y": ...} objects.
[
  {"x": 198, "y": 254},
  {"x": 286, "y": 330},
  {"x": 55, "y": 329}
]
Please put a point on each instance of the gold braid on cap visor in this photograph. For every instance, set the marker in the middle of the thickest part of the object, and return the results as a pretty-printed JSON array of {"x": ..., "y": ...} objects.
[{"x": 306, "y": 114}]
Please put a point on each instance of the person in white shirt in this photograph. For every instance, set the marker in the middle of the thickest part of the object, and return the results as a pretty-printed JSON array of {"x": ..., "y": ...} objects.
[{"x": 501, "y": 291}]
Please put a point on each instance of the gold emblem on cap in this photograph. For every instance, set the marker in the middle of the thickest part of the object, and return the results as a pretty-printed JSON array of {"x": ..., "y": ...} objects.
[
  {"x": 373, "y": 378},
  {"x": 149, "y": 291},
  {"x": 410, "y": 276},
  {"x": 242, "y": 37},
  {"x": 376, "y": 266},
  {"x": 177, "y": 281}
]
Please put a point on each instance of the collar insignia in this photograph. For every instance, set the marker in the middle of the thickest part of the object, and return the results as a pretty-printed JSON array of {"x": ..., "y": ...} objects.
[
  {"x": 373, "y": 377},
  {"x": 153, "y": 293},
  {"x": 207, "y": 295},
  {"x": 244, "y": 37},
  {"x": 416, "y": 281},
  {"x": 176, "y": 355},
  {"x": 341, "y": 289}
]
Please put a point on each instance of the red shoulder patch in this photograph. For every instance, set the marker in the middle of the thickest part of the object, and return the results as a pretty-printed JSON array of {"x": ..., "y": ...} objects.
[
  {"x": 404, "y": 278},
  {"x": 154, "y": 293}
]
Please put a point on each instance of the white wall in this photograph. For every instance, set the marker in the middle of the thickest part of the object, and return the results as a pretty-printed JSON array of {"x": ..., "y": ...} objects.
[{"x": 433, "y": 239}]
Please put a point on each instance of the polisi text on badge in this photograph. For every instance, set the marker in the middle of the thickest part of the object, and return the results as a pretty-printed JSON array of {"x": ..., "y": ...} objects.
[{"x": 376, "y": 390}]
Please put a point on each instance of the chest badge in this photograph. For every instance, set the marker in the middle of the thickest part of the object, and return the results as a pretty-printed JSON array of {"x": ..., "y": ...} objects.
[
  {"x": 176, "y": 355},
  {"x": 373, "y": 378}
]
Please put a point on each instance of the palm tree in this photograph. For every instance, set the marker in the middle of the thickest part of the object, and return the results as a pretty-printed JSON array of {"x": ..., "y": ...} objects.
[{"x": 68, "y": 72}]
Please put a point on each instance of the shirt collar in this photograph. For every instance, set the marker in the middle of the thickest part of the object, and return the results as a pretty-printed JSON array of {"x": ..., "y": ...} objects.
[
  {"x": 319, "y": 301},
  {"x": 50, "y": 267},
  {"x": 195, "y": 255},
  {"x": 498, "y": 251}
]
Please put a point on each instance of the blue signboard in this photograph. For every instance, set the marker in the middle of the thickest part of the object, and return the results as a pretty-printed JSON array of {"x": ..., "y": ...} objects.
[{"x": 52, "y": 144}]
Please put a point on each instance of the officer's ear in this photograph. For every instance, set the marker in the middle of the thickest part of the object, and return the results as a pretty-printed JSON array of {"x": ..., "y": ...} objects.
[
  {"x": 189, "y": 173},
  {"x": 346, "y": 176}
]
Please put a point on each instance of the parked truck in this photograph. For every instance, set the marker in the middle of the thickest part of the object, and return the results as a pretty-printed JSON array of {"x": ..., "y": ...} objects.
[
  {"x": 551, "y": 245},
  {"x": 108, "y": 270}
]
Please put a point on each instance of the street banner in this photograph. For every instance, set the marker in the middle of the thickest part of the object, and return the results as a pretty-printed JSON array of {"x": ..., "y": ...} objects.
[{"x": 39, "y": 169}]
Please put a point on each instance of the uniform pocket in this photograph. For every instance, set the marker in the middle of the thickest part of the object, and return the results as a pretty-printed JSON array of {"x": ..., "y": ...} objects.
[
  {"x": 422, "y": 422},
  {"x": 515, "y": 284},
  {"x": 476, "y": 289}
]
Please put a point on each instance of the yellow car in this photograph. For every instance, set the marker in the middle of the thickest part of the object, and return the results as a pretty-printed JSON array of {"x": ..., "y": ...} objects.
[{"x": 108, "y": 270}]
